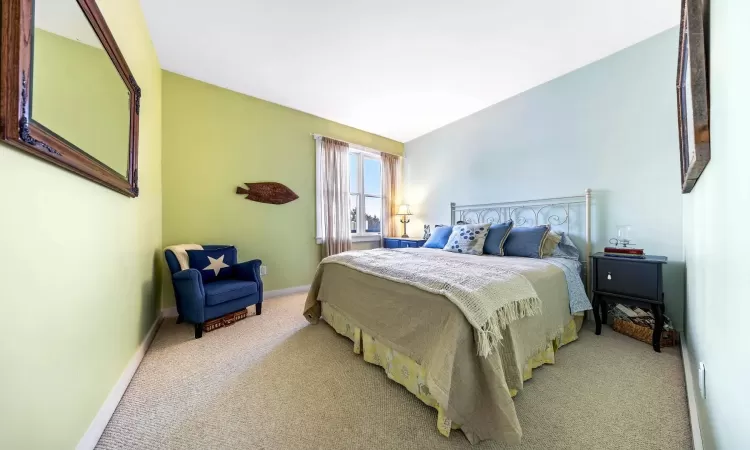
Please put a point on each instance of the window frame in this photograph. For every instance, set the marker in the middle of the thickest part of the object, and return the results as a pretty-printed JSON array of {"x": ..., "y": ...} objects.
[{"x": 362, "y": 196}]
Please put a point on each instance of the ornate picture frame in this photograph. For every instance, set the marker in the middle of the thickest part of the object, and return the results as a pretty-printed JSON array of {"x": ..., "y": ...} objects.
[
  {"x": 693, "y": 99},
  {"x": 22, "y": 132}
]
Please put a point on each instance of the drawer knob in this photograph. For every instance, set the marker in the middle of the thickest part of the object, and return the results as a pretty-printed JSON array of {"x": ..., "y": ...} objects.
[{"x": 609, "y": 275}]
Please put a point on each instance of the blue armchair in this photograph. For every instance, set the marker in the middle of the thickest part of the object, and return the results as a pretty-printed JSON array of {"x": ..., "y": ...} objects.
[{"x": 198, "y": 302}]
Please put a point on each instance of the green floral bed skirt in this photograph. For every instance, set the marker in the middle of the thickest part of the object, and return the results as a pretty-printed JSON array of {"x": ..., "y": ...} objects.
[{"x": 406, "y": 372}]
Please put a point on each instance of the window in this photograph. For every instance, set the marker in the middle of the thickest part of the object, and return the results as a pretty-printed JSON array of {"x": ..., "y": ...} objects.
[
  {"x": 365, "y": 197},
  {"x": 365, "y": 193}
]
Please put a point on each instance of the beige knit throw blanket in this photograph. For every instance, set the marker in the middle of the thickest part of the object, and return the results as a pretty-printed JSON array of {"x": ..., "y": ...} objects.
[{"x": 489, "y": 296}]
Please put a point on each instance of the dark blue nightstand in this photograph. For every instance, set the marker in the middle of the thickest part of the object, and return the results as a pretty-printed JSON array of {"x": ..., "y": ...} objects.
[
  {"x": 392, "y": 242},
  {"x": 628, "y": 281}
]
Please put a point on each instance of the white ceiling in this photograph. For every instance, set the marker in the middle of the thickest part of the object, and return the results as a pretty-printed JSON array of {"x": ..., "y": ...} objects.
[{"x": 396, "y": 68}]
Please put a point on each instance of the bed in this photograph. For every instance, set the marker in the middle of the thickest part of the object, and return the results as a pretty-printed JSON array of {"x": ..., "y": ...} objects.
[{"x": 427, "y": 341}]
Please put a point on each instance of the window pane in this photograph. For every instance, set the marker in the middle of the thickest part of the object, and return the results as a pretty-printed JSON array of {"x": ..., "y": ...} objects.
[
  {"x": 353, "y": 202},
  {"x": 372, "y": 214},
  {"x": 372, "y": 176},
  {"x": 353, "y": 172}
]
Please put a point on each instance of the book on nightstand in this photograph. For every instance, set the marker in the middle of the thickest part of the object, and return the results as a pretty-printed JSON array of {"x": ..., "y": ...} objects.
[
  {"x": 622, "y": 252},
  {"x": 624, "y": 256}
]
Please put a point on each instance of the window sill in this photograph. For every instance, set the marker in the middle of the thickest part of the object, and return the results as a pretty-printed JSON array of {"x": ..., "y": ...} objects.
[{"x": 373, "y": 238}]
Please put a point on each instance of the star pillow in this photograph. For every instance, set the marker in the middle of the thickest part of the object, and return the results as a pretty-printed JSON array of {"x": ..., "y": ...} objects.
[{"x": 213, "y": 264}]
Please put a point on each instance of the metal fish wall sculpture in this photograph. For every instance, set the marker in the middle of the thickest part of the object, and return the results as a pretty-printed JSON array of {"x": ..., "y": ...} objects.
[{"x": 268, "y": 192}]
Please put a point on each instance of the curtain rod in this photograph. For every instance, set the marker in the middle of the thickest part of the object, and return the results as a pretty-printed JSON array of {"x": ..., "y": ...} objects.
[{"x": 351, "y": 144}]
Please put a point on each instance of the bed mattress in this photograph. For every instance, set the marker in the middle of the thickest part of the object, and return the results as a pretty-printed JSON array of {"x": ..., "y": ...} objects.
[{"x": 429, "y": 330}]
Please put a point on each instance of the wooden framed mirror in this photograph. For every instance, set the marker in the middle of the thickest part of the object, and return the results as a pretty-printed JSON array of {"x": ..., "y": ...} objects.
[
  {"x": 66, "y": 93},
  {"x": 693, "y": 99}
]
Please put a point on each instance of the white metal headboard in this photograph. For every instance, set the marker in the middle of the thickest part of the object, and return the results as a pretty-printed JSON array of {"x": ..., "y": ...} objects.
[{"x": 569, "y": 214}]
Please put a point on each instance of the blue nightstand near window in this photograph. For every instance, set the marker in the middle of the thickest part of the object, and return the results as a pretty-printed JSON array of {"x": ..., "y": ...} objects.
[{"x": 392, "y": 242}]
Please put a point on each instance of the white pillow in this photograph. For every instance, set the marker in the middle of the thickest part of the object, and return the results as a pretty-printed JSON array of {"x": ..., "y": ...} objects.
[{"x": 468, "y": 239}]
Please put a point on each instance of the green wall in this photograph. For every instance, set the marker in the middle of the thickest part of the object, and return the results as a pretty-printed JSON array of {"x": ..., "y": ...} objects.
[
  {"x": 78, "y": 94},
  {"x": 77, "y": 272},
  {"x": 215, "y": 140},
  {"x": 715, "y": 217}
]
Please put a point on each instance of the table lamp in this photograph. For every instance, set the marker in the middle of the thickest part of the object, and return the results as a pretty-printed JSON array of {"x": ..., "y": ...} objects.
[{"x": 404, "y": 211}]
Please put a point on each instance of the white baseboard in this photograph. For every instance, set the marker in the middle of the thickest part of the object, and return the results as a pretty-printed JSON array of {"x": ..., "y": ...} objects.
[
  {"x": 286, "y": 291},
  {"x": 172, "y": 312},
  {"x": 169, "y": 312},
  {"x": 690, "y": 387},
  {"x": 92, "y": 435}
]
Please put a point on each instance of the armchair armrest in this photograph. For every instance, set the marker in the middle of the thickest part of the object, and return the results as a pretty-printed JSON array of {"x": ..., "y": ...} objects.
[
  {"x": 190, "y": 295},
  {"x": 250, "y": 271}
]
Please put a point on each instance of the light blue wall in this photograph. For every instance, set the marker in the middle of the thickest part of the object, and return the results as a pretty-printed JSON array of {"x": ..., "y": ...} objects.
[
  {"x": 609, "y": 126},
  {"x": 716, "y": 221}
]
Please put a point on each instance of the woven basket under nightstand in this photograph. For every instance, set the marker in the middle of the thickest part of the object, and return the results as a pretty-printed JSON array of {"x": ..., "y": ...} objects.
[{"x": 645, "y": 334}]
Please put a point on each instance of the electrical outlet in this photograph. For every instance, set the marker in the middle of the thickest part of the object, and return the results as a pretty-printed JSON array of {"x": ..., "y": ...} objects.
[
  {"x": 702, "y": 379},
  {"x": 263, "y": 270}
]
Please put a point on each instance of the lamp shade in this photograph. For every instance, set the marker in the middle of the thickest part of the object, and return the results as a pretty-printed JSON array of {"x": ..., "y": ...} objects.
[{"x": 404, "y": 210}]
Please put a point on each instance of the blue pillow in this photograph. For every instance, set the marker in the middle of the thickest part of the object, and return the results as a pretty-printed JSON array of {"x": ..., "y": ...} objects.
[
  {"x": 526, "y": 241},
  {"x": 493, "y": 245},
  {"x": 438, "y": 238},
  {"x": 213, "y": 264}
]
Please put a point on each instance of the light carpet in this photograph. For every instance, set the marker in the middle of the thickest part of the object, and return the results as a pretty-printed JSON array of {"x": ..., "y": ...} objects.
[{"x": 276, "y": 382}]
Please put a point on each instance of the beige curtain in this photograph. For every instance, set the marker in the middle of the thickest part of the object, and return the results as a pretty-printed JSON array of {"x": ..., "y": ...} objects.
[
  {"x": 391, "y": 193},
  {"x": 335, "y": 196}
]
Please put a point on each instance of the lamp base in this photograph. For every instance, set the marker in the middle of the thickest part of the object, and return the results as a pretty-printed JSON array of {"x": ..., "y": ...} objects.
[{"x": 404, "y": 220}]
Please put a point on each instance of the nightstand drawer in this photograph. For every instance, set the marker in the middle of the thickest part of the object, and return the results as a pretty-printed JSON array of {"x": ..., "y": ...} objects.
[
  {"x": 391, "y": 243},
  {"x": 402, "y": 243},
  {"x": 630, "y": 278}
]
